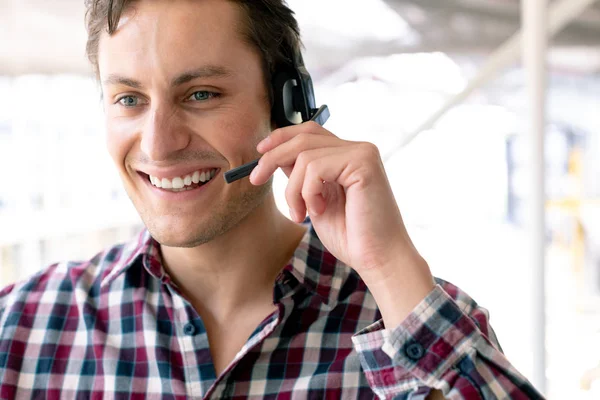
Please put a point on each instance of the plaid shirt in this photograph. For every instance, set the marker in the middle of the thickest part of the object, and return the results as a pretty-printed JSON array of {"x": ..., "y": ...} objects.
[{"x": 116, "y": 326}]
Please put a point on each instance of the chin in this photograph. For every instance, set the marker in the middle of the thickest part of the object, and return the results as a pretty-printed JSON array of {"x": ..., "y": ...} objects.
[
  {"x": 173, "y": 232},
  {"x": 170, "y": 232},
  {"x": 176, "y": 230}
]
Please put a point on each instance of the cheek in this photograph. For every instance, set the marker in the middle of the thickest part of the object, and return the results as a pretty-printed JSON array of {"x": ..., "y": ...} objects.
[
  {"x": 120, "y": 138},
  {"x": 242, "y": 139},
  {"x": 243, "y": 133}
]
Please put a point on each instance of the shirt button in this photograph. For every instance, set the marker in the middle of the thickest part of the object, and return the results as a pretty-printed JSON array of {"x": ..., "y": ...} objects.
[
  {"x": 189, "y": 329},
  {"x": 414, "y": 351}
]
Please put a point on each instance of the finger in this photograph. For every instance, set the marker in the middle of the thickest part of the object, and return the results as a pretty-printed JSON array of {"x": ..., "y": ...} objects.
[
  {"x": 282, "y": 135},
  {"x": 347, "y": 167},
  {"x": 320, "y": 171},
  {"x": 293, "y": 190},
  {"x": 285, "y": 155},
  {"x": 294, "y": 194}
]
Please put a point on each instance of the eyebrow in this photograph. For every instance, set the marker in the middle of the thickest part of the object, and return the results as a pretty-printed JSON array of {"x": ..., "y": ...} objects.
[{"x": 209, "y": 71}]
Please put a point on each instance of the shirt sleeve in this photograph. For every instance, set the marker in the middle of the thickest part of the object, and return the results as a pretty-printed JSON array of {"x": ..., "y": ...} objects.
[{"x": 446, "y": 343}]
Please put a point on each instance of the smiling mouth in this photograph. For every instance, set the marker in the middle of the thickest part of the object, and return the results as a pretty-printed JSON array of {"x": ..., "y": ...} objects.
[{"x": 183, "y": 183}]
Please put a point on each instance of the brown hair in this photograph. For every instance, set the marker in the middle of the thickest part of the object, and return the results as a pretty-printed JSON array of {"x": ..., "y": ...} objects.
[{"x": 269, "y": 26}]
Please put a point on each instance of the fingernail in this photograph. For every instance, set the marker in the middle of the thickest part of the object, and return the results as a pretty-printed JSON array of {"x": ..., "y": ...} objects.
[
  {"x": 293, "y": 215},
  {"x": 253, "y": 174},
  {"x": 263, "y": 142}
]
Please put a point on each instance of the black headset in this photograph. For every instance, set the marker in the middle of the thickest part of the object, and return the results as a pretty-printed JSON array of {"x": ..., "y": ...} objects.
[
  {"x": 293, "y": 103},
  {"x": 293, "y": 94}
]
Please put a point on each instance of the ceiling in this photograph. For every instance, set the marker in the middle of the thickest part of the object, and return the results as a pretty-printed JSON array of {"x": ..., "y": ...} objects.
[
  {"x": 49, "y": 36},
  {"x": 463, "y": 28},
  {"x": 468, "y": 25}
]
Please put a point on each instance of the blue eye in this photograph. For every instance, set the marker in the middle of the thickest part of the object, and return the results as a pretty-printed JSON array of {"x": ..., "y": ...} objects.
[
  {"x": 129, "y": 101},
  {"x": 202, "y": 95}
]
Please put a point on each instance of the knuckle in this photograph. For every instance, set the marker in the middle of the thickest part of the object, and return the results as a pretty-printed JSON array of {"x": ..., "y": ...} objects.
[
  {"x": 311, "y": 170},
  {"x": 305, "y": 192},
  {"x": 302, "y": 159},
  {"x": 290, "y": 194},
  {"x": 275, "y": 136},
  {"x": 266, "y": 160},
  {"x": 310, "y": 167},
  {"x": 276, "y": 133},
  {"x": 312, "y": 125},
  {"x": 302, "y": 140},
  {"x": 369, "y": 150}
]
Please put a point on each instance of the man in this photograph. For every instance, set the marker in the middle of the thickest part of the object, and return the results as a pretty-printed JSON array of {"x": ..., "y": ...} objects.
[{"x": 222, "y": 296}]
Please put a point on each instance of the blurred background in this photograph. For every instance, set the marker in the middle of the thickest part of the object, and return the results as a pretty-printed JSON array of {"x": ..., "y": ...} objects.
[{"x": 389, "y": 71}]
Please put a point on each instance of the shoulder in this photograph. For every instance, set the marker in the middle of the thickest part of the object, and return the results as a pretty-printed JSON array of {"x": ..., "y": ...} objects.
[{"x": 58, "y": 285}]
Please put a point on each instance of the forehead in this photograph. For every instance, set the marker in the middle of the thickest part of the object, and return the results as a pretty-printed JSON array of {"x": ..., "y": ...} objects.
[{"x": 175, "y": 35}]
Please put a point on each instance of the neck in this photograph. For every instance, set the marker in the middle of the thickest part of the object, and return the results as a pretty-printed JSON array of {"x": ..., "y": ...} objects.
[{"x": 236, "y": 270}]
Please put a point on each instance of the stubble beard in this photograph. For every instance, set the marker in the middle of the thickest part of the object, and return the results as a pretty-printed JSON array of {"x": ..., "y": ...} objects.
[{"x": 221, "y": 220}]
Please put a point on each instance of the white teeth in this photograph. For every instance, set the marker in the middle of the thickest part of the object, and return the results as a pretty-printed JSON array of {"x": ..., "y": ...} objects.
[
  {"x": 167, "y": 184},
  {"x": 196, "y": 177},
  {"x": 178, "y": 184}
]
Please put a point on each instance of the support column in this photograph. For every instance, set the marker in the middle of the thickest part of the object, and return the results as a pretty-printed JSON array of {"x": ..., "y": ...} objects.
[{"x": 534, "y": 52}]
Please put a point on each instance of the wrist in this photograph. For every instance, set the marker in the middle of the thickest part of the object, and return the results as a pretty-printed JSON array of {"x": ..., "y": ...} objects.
[{"x": 399, "y": 287}]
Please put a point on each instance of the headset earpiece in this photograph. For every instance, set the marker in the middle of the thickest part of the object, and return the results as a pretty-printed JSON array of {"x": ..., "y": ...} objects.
[
  {"x": 293, "y": 94},
  {"x": 284, "y": 110}
]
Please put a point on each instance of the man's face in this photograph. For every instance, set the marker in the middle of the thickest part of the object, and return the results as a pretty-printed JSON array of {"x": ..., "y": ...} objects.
[{"x": 184, "y": 96}]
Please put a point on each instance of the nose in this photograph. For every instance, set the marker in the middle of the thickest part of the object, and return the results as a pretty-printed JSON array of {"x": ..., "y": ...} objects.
[{"x": 163, "y": 134}]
